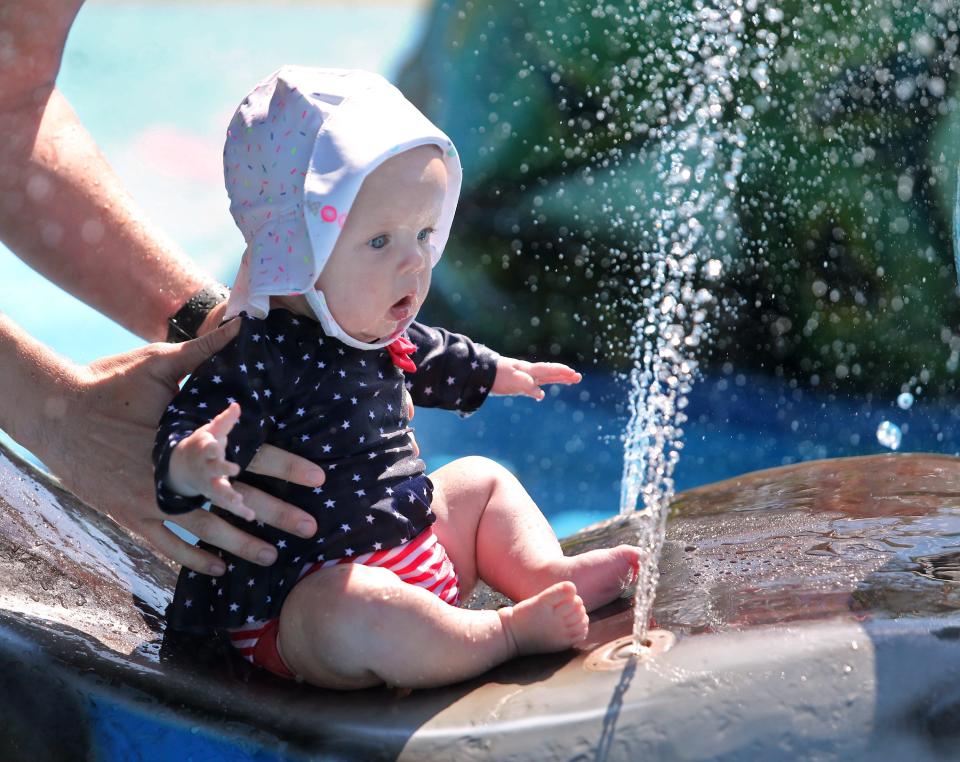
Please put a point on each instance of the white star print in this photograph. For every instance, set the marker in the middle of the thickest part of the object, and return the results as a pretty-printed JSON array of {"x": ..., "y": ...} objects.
[
  {"x": 301, "y": 411},
  {"x": 360, "y": 493},
  {"x": 234, "y": 607},
  {"x": 345, "y": 425},
  {"x": 345, "y": 527},
  {"x": 281, "y": 544},
  {"x": 329, "y": 504},
  {"x": 369, "y": 519},
  {"x": 260, "y": 366},
  {"x": 243, "y": 367},
  {"x": 377, "y": 545},
  {"x": 450, "y": 380},
  {"x": 256, "y": 337},
  {"x": 217, "y": 380}
]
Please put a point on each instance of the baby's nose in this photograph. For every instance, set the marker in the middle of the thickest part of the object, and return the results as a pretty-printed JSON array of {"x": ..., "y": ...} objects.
[{"x": 415, "y": 260}]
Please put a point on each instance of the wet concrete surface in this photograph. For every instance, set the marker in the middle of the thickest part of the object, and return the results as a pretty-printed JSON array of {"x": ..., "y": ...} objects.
[{"x": 813, "y": 609}]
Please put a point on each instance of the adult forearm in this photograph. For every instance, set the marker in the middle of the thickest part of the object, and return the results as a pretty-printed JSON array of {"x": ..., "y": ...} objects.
[
  {"x": 66, "y": 214},
  {"x": 62, "y": 208},
  {"x": 38, "y": 385}
]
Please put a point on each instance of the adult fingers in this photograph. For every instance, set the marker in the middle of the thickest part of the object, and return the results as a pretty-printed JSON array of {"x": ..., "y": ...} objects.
[
  {"x": 184, "y": 358},
  {"x": 280, "y": 464},
  {"x": 408, "y": 401},
  {"x": 180, "y": 551},
  {"x": 277, "y": 513},
  {"x": 221, "y": 534}
]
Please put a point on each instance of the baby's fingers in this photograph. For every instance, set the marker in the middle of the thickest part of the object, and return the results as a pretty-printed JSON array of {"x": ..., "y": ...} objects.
[
  {"x": 215, "y": 456},
  {"x": 223, "y": 422},
  {"x": 553, "y": 373},
  {"x": 526, "y": 384},
  {"x": 222, "y": 493}
]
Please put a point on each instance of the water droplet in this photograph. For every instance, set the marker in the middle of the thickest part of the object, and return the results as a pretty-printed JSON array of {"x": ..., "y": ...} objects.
[
  {"x": 905, "y": 401},
  {"x": 889, "y": 435}
]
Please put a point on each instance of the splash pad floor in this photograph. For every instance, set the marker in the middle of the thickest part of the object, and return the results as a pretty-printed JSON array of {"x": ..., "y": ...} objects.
[{"x": 813, "y": 608}]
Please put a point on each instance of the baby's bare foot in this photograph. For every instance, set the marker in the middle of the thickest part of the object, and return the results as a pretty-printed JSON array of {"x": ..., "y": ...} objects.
[
  {"x": 552, "y": 620},
  {"x": 602, "y": 575}
]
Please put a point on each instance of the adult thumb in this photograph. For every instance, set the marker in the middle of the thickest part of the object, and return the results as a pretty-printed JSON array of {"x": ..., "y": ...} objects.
[{"x": 187, "y": 356}]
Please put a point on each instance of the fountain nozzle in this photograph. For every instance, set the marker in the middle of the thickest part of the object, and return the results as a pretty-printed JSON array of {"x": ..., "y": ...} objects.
[{"x": 618, "y": 653}]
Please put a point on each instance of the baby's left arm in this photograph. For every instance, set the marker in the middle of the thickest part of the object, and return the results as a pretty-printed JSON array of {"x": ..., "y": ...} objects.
[{"x": 522, "y": 377}]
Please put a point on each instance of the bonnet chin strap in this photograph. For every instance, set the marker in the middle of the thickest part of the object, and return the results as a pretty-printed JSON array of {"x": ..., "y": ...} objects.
[{"x": 330, "y": 326}]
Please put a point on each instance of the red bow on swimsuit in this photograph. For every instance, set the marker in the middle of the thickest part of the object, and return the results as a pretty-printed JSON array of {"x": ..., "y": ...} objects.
[{"x": 400, "y": 352}]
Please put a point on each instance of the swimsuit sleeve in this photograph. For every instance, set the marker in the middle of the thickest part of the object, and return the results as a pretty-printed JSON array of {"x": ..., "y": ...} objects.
[
  {"x": 453, "y": 372},
  {"x": 246, "y": 371}
]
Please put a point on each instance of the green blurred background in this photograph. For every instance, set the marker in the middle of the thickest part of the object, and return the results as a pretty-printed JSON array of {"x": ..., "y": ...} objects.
[{"x": 838, "y": 260}]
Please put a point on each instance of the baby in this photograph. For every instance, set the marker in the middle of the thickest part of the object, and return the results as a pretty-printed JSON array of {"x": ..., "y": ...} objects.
[{"x": 345, "y": 194}]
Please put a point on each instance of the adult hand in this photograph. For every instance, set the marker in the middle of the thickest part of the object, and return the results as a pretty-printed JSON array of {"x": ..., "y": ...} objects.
[
  {"x": 521, "y": 377},
  {"x": 102, "y": 453}
]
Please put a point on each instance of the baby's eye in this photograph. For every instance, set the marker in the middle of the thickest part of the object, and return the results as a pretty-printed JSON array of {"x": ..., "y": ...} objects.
[
  {"x": 424, "y": 234},
  {"x": 378, "y": 242}
]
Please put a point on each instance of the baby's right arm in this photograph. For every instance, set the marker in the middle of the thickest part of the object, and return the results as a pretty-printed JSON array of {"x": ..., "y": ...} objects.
[{"x": 199, "y": 465}]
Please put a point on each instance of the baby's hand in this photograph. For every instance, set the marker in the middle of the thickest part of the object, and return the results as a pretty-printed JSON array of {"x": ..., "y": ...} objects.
[
  {"x": 521, "y": 377},
  {"x": 199, "y": 465}
]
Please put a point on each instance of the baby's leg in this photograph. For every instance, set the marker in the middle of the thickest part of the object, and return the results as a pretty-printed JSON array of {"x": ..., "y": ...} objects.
[
  {"x": 355, "y": 626},
  {"x": 492, "y": 530}
]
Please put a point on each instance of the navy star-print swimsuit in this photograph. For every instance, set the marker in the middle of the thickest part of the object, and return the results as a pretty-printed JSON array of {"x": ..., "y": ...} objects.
[{"x": 342, "y": 408}]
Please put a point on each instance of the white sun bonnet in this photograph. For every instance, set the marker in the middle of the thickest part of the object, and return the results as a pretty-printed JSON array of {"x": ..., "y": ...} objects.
[{"x": 298, "y": 149}]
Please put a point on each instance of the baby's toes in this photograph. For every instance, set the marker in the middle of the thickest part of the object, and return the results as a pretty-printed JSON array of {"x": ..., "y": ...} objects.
[{"x": 559, "y": 595}]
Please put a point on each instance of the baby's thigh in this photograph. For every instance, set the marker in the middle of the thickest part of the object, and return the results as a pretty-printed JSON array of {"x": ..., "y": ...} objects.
[
  {"x": 463, "y": 489},
  {"x": 355, "y": 626},
  {"x": 329, "y": 625}
]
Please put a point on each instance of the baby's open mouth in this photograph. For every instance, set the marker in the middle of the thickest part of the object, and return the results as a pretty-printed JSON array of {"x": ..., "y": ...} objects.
[{"x": 403, "y": 308}]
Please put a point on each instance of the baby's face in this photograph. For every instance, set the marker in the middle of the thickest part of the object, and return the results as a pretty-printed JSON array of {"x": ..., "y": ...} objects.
[{"x": 379, "y": 271}]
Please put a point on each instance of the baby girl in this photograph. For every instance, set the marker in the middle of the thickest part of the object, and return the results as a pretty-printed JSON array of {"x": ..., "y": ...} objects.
[{"x": 345, "y": 194}]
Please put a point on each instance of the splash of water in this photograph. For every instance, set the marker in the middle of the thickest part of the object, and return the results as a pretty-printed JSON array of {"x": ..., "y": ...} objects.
[
  {"x": 956, "y": 228},
  {"x": 673, "y": 323}
]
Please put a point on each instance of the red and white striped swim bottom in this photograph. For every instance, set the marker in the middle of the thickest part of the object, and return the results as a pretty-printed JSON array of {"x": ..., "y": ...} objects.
[{"x": 422, "y": 562}]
